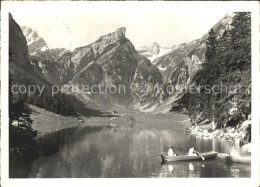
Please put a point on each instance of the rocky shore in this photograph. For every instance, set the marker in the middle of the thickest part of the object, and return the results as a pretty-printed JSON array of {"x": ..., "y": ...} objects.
[{"x": 240, "y": 134}]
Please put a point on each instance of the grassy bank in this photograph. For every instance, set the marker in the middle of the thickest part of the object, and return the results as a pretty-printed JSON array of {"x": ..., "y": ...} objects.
[{"x": 46, "y": 122}]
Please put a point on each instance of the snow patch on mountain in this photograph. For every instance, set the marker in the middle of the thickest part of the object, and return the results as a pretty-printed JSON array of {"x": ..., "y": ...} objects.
[
  {"x": 163, "y": 51},
  {"x": 162, "y": 69},
  {"x": 44, "y": 48},
  {"x": 149, "y": 53}
]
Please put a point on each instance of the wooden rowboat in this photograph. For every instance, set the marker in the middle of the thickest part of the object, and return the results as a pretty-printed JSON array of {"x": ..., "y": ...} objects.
[
  {"x": 206, "y": 155},
  {"x": 235, "y": 158}
]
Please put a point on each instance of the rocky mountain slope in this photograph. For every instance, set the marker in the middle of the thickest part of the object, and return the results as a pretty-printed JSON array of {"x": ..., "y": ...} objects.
[
  {"x": 47, "y": 62},
  {"x": 19, "y": 51},
  {"x": 38, "y": 47},
  {"x": 109, "y": 61},
  {"x": 223, "y": 112},
  {"x": 181, "y": 64},
  {"x": 154, "y": 77},
  {"x": 23, "y": 71},
  {"x": 113, "y": 61}
]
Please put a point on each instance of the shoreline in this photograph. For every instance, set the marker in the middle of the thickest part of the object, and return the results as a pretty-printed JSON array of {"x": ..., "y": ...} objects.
[
  {"x": 238, "y": 134},
  {"x": 44, "y": 122}
]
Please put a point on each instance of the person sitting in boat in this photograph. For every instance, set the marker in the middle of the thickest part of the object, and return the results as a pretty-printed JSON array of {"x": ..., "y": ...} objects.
[
  {"x": 192, "y": 152},
  {"x": 171, "y": 151}
]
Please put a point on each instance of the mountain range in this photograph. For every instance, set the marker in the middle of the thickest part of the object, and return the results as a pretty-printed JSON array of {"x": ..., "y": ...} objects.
[
  {"x": 181, "y": 64},
  {"x": 113, "y": 60}
]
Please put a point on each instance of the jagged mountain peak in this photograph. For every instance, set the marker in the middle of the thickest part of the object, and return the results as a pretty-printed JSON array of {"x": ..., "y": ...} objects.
[
  {"x": 35, "y": 43},
  {"x": 118, "y": 35},
  {"x": 121, "y": 32},
  {"x": 155, "y": 48},
  {"x": 115, "y": 37},
  {"x": 156, "y": 44},
  {"x": 27, "y": 31},
  {"x": 38, "y": 47},
  {"x": 154, "y": 51}
]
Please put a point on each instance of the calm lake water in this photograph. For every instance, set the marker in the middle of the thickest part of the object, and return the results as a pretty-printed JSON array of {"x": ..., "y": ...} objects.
[{"x": 102, "y": 148}]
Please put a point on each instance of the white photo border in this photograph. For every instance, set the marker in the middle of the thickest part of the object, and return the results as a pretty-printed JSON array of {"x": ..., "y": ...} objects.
[{"x": 126, "y": 6}]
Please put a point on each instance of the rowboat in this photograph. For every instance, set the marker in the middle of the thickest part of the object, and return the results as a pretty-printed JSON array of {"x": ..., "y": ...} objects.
[
  {"x": 206, "y": 155},
  {"x": 235, "y": 158}
]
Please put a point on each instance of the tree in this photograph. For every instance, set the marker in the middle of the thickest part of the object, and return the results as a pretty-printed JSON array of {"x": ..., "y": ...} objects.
[
  {"x": 241, "y": 26},
  {"x": 229, "y": 64},
  {"x": 22, "y": 112},
  {"x": 21, "y": 134},
  {"x": 211, "y": 45}
]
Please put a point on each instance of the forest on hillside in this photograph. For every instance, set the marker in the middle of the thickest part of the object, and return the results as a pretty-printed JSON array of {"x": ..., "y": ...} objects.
[
  {"x": 58, "y": 103},
  {"x": 224, "y": 82}
]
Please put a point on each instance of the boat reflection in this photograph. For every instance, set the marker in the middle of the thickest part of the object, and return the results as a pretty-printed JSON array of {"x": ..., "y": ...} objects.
[
  {"x": 191, "y": 167},
  {"x": 170, "y": 168},
  {"x": 184, "y": 168},
  {"x": 200, "y": 168}
]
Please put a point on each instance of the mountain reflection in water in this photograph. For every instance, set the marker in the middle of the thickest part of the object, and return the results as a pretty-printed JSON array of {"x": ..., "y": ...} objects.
[{"x": 123, "y": 150}]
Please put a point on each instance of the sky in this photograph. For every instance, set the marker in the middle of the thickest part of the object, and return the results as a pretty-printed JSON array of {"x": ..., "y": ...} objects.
[{"x": 71, "y": 29}]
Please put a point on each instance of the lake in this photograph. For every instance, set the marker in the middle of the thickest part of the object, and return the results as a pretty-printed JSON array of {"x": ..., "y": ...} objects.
[{"x": 99, "y": 147}]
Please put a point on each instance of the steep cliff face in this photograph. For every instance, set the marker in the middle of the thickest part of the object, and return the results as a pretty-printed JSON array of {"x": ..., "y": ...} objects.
[
  {"x": 109, "y": 61},
  {"x": 83, "y": 55},
  {"x": 34, "y": 42},
  {"x": 38, "y": 47},
  {"x": 19, "y": 65},
  {"x": 52, "y": 64},
  {"x": 113, "y": 60},
  {"x": 31, "y": 73},
  {"x": 39, "y": 70},
  {"x": 111, "y": 52},
  {"x": 17, "y": 42}
]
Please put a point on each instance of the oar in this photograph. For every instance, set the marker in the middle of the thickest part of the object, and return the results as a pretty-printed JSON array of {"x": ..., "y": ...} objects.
[{"x": 199, "y": 155}]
